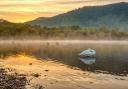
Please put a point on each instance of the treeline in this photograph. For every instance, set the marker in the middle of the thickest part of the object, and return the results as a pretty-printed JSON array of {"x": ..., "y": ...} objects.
[{"x": 25, "y": 31}]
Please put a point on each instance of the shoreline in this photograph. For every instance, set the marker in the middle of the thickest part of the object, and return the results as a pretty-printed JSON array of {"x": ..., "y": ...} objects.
[{"x": 53, "y": 75}]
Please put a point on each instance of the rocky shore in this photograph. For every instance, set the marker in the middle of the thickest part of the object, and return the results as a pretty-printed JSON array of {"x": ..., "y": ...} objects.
[{"x": 12, "y": 80}]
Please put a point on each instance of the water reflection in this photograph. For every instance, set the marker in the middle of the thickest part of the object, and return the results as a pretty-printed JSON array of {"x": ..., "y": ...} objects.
[
  {"x": 88, "y": 60},
  {"x": 112, "y": 58}
]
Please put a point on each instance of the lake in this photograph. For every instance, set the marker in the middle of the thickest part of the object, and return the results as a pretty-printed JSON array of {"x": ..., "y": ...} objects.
[{"x": 111, "y": 57}]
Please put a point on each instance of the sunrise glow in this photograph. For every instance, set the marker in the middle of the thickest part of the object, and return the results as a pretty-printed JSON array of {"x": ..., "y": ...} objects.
[{"x": 25, "y": 10}]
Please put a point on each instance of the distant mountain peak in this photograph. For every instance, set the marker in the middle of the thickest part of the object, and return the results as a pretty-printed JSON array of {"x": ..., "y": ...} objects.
[{"x": 112, "y": 15}]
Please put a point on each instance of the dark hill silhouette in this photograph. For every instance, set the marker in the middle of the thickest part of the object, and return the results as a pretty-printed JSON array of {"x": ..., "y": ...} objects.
[{"x": 112, "y": 15}]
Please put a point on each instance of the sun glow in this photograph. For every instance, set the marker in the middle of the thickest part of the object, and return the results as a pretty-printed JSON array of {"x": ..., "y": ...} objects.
[{"x": 25, "y": 10}]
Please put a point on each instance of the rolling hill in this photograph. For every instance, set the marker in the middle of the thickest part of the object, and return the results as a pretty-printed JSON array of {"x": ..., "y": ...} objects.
[{"x": 112, "y": 15}]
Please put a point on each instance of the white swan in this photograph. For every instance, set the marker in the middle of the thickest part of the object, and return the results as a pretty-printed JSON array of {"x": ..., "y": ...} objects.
[{"x": 89, "y": 52}]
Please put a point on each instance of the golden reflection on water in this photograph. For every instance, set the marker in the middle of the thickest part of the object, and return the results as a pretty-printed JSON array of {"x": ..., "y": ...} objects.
[
  {"x": 55, "y": 71},
  {"x": 111, "y": 57},
  {"x": 27, "y": 64},
  {"x": 52, "y": 71},
  {"x": 21, "y": 59}
]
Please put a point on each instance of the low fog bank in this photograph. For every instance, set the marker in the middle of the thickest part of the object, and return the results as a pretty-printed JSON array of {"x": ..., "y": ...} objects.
[
  {"x": 24, "y": 31},
  {"x": 64, "y": 41}
]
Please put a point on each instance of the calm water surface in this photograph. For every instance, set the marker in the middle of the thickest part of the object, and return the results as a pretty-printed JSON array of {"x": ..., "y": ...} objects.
[{"x": 110, "y": 58}]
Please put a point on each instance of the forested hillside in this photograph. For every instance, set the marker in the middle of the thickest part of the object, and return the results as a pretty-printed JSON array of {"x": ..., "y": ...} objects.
[
  {"x": 25, "y": 31},
  {"x": 113, "y": 16}
]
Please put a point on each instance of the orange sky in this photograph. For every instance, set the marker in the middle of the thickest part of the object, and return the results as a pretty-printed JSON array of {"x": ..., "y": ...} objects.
[{"x": 25, "y": 10}]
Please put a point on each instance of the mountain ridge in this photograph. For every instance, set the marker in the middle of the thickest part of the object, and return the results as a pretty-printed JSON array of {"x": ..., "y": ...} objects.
[{"x": 112, "y": 15}]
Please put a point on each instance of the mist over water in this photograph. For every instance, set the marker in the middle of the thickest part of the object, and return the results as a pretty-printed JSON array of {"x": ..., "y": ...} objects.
[{"x": 111, "y": 56}]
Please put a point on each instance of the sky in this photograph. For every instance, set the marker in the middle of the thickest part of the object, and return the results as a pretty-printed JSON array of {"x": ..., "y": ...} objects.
[{"x": 27, "y": 10}]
